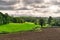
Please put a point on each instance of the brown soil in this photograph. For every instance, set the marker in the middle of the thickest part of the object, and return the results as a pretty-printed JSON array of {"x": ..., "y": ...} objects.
[{"x": 46, "y": 34}]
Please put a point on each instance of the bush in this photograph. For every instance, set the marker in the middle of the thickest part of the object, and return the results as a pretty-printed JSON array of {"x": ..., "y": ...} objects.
[{"x": 4, "y": 32}]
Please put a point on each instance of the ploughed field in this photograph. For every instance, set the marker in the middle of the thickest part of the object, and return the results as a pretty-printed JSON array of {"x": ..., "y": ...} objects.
[{"x": 45, "y": 34}]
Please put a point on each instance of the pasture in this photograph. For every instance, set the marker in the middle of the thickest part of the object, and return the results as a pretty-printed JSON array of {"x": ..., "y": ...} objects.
[{"x": 15, "y": 27}]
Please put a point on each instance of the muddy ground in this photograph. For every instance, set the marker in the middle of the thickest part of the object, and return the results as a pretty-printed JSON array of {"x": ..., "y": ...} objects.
[{"x": 45, "y": 34}]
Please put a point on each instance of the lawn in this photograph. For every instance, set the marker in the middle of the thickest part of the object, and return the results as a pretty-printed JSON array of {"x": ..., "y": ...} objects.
[{"x": 15, "y": 27}]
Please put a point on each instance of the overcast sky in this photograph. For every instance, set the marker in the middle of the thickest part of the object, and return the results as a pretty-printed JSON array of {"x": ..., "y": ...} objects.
[{"x": 31, "y": 7}]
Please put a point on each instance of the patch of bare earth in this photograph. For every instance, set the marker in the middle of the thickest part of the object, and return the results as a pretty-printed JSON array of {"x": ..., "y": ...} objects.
[{"x": 46, "y": 34}]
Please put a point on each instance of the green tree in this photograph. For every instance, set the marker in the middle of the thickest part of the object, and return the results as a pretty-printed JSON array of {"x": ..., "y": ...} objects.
[
  {"x": 1, "y": 18},
  {"x": 41, "y": 22},
  {"x": 36, "y": 21},
  {"x": 50, "y": 19},
  {"x": 6, "y": 18}
]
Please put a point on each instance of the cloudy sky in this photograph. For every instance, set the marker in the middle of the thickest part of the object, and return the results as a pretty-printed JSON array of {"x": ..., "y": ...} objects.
[{"x": 38, "y": 8}]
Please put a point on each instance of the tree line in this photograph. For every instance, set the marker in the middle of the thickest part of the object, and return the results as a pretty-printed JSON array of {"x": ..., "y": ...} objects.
[{"x": 6, "y": 19}]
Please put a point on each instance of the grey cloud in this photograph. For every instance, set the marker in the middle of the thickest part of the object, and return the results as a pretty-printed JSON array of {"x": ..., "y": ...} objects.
[
  {"x": 56, "y": 3},
  {"x": 36, "y": 6},
  {"x": 32, "y": 1},
  {"x": 57, "y": 11},
  {"x": 44, "y": 11},
  {"x": 2, "y": 7},
  {"x": 43, "y": 6},
  {"x": 40, "y": 6},
  {"x": 23, "y": 8},
  {"x": 12, "y": 2},
  {"x": 38, "y": 1},
  {"x": 4, "y": 3}
]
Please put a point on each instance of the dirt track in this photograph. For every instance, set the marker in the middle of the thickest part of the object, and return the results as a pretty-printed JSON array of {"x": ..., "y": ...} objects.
[{"x": 46, "y": 34}]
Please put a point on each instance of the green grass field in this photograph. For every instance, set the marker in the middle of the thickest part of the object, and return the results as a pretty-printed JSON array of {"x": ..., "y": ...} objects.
[{"x": 15, "y": 27}]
